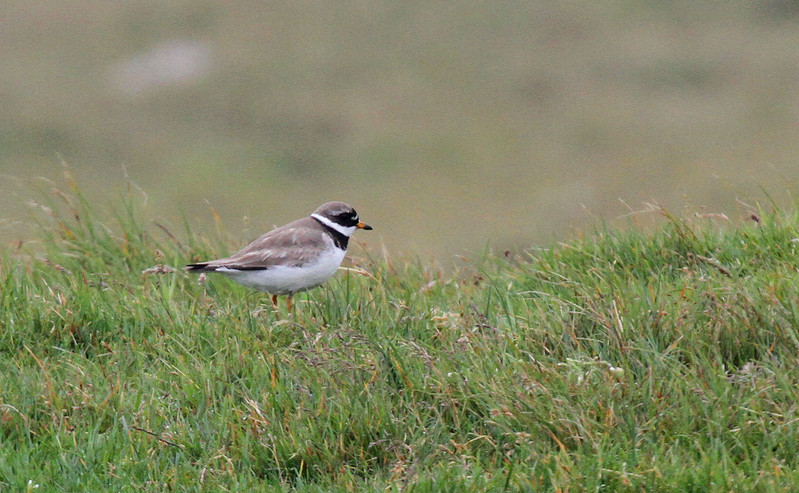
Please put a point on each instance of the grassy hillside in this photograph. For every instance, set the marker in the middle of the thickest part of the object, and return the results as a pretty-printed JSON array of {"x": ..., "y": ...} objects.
[
  {"x": 527, "y": 117},
  {"x": 618, "y": 361}
]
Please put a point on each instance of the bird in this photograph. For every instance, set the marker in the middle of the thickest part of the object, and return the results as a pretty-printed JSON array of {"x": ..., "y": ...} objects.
[{"x": 298, "y": 256}]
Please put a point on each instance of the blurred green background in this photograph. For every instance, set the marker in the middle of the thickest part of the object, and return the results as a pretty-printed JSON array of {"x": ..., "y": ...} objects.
[{"x": 446, "y": 124}]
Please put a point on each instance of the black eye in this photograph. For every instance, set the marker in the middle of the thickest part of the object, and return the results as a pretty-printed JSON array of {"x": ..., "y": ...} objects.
[{"x": 348, "y": 217}]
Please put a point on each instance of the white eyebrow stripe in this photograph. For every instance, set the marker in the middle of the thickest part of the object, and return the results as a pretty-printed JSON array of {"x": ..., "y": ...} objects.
[{"x": 347, "y": 231}]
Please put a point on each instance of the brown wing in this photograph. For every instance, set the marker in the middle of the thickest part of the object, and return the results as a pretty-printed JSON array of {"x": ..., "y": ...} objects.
[{"x": 294, "y": 244}]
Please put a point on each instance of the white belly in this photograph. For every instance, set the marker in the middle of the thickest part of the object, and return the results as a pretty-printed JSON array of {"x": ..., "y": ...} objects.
[{"x": 281, "y": 279}]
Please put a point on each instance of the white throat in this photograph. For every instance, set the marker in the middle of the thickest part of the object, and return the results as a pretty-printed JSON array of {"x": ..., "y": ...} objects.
[{"x": 345, "y": 230}]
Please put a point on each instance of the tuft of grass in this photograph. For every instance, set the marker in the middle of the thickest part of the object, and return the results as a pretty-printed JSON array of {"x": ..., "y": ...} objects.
[{"x": 620, "y": 361}]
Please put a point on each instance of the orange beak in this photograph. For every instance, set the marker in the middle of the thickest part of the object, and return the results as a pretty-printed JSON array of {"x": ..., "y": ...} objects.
[{"x": 364, "y": 226}]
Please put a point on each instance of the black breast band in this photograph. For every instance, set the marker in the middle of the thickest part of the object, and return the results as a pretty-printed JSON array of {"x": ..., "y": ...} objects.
[{"x": 339, "y": 239}]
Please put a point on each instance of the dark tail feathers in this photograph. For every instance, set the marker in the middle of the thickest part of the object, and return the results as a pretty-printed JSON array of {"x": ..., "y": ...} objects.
[{"x": 201, "y": 267}]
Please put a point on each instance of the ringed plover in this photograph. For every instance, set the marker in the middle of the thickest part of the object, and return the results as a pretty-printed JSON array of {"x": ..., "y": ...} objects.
[{"x": 298, "y": 256}]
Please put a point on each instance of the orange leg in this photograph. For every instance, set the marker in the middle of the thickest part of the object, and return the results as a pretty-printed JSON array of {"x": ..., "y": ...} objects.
[
  {"x": 275, "y": 306},
  {"x": 288, "y": 303}
]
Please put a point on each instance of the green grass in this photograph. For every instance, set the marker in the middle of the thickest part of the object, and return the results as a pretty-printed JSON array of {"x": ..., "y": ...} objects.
[{"x": 622, "y": 361}]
